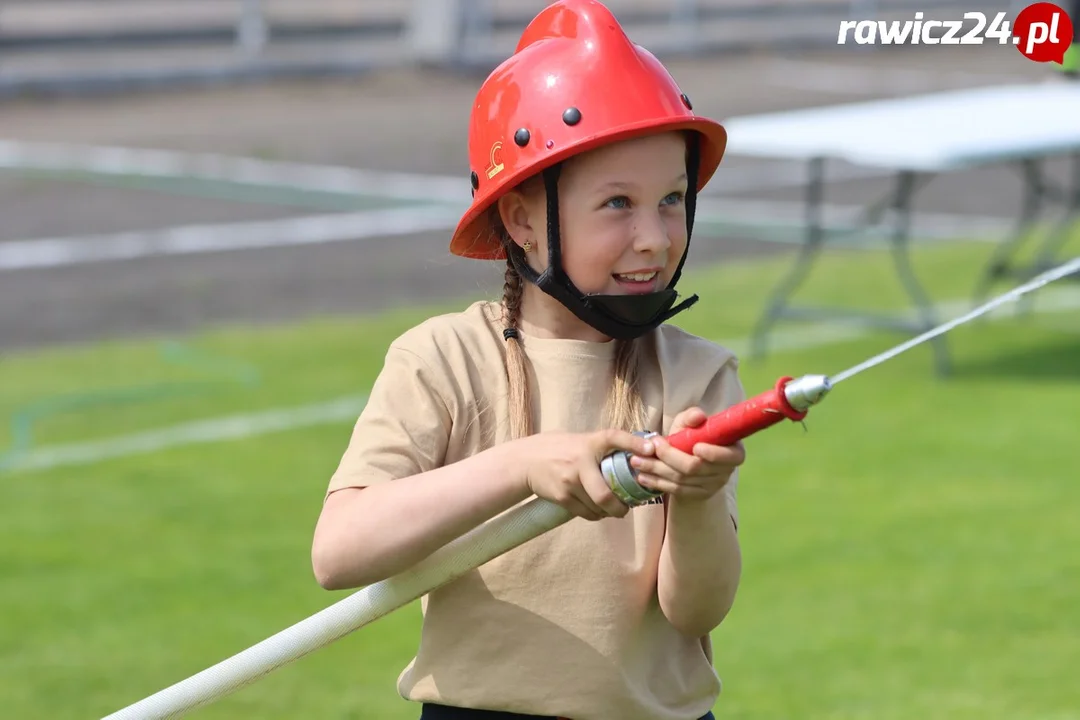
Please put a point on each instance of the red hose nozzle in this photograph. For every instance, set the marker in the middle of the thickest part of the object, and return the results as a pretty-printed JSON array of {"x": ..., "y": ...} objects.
[{"x": 789, "y": 398}]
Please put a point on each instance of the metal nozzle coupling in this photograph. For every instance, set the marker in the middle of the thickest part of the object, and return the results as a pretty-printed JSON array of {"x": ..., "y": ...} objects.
[
  {"x": 806, "y": 391},
  {"x": 622, "y": 479}
]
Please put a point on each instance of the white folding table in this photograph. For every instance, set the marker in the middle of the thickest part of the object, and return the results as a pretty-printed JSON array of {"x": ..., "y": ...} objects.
[{"x": 917, "y": 138}]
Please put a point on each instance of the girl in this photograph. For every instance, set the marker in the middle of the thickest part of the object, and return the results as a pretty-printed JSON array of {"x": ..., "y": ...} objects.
[{"x": 586, "y": 161}]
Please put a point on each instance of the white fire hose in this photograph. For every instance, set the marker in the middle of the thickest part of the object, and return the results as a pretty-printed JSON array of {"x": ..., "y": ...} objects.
[
  {"x": 790, "y": 398},
  {"x": 465, "y": 553},
  {"x": 471, "y": 550}
]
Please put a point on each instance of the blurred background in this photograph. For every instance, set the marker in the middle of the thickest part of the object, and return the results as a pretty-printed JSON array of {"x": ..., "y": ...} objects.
[{"x": 216, "y": 214}]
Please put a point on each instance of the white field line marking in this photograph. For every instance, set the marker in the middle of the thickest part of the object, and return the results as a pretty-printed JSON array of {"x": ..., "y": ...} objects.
[
  {"x": 193, "y": 239},
  {"x": 406, "y": 186},
  {"x": 422, "y": 187},
  {"x": 109, "y": 160},
  {"x": 346, "y": 409},
  {"x": 368, "y": 224},
  {"x": 229, "y": 427}
]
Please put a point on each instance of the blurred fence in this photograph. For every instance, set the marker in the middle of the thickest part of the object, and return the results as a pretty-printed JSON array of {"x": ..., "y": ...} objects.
[{"x": 88, "y": 45}]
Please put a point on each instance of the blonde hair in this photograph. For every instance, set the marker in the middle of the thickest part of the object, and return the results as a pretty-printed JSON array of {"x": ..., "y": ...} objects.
[{"x": 624, "y": 409}]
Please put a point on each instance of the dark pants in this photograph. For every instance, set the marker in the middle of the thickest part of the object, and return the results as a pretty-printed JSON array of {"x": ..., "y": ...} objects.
[{"x": 442, "y": 712}]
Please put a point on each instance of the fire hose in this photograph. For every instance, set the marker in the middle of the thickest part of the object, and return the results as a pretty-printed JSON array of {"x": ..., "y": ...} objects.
[{"x": 790, "y": 399}]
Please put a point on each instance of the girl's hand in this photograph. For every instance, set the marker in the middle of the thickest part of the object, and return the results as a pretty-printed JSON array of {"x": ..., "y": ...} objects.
[
  {"x": 695, "y": 477},
  {"x": 564, "y": 468}
]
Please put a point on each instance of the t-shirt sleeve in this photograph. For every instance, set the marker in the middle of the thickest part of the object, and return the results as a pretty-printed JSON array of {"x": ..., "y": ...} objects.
[{"x": 403, "y": 429}]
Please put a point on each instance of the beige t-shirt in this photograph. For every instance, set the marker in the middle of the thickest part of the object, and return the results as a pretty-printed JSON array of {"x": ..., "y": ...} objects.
[{"x": 567, "y": 624}]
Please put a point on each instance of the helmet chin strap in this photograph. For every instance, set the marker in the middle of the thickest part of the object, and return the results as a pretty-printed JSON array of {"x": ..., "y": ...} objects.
[{"x": 622, "y": 317}]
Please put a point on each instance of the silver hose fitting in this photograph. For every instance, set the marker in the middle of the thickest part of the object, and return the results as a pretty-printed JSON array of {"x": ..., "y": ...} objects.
[
  {"x": 807, "y": 391},
  {"x": 622, "y": 478}
]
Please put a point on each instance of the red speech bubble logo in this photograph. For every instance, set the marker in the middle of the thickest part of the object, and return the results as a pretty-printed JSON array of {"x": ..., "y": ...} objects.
[{"x": 1043, "y": 32}]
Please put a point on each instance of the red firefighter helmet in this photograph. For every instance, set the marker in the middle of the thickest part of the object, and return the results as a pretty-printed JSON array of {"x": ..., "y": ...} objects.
[{"x": 575, "y": 82}]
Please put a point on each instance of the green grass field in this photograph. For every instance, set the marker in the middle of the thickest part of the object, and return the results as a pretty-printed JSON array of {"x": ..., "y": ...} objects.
[{"x": 912, "y": 555}]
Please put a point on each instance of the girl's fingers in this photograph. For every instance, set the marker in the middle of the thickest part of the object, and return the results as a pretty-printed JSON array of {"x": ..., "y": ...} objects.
[
  {"x": 596, "y": 489},
  {"x": 667, "y": 487},
  {"x": 582, "y": 496},
  {"x": 676, "y": 459},
  {"x": 656, "y": 484},
  {"x": 652, "y": 466},
  {"x": 607, "y": 441},
  {"x": 577, "y": 507},
  {"x": 730, "y": 455},
  {"x": 689, "y": 418}
]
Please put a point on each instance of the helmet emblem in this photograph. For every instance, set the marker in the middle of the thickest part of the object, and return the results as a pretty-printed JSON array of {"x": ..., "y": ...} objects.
[{"x": 496, "y": 165}]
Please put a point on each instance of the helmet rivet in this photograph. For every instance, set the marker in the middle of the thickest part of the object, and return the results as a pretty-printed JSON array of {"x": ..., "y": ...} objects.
[
  {"x": 521, "y": 137},
  {"x": 475, "y": 181},
  {"x": 550, "y": 144},
  {"x": 571, "y": 116},
  {"x": 686, "y": 102}
]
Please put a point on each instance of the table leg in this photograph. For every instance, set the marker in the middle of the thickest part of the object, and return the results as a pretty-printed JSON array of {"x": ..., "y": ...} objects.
[
  {"x": 1037, "y": 191},
  {"x": 899, "y": 200},
  {"x": 901, "y": 247},
  {"x": 808, "y": 252},
  {"x": 1046, "y": 257},
  {"x": 1034, "y": 194}
]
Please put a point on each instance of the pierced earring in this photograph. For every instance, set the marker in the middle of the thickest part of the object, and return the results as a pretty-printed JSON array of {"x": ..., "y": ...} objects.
[{"x": 527, "y": 246}]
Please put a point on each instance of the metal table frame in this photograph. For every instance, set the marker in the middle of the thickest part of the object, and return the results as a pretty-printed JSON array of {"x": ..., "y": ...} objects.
[
  {"x": 1038, "y": 191},
  {"x": 1026, "y": 154}
]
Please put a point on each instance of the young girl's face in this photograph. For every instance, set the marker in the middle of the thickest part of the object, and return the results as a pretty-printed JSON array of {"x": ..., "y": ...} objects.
[{"x": 622, "y": 216}]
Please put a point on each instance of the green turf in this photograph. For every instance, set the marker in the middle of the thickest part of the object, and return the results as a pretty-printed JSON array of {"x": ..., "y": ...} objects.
[{"x": 911, "y": 555}]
